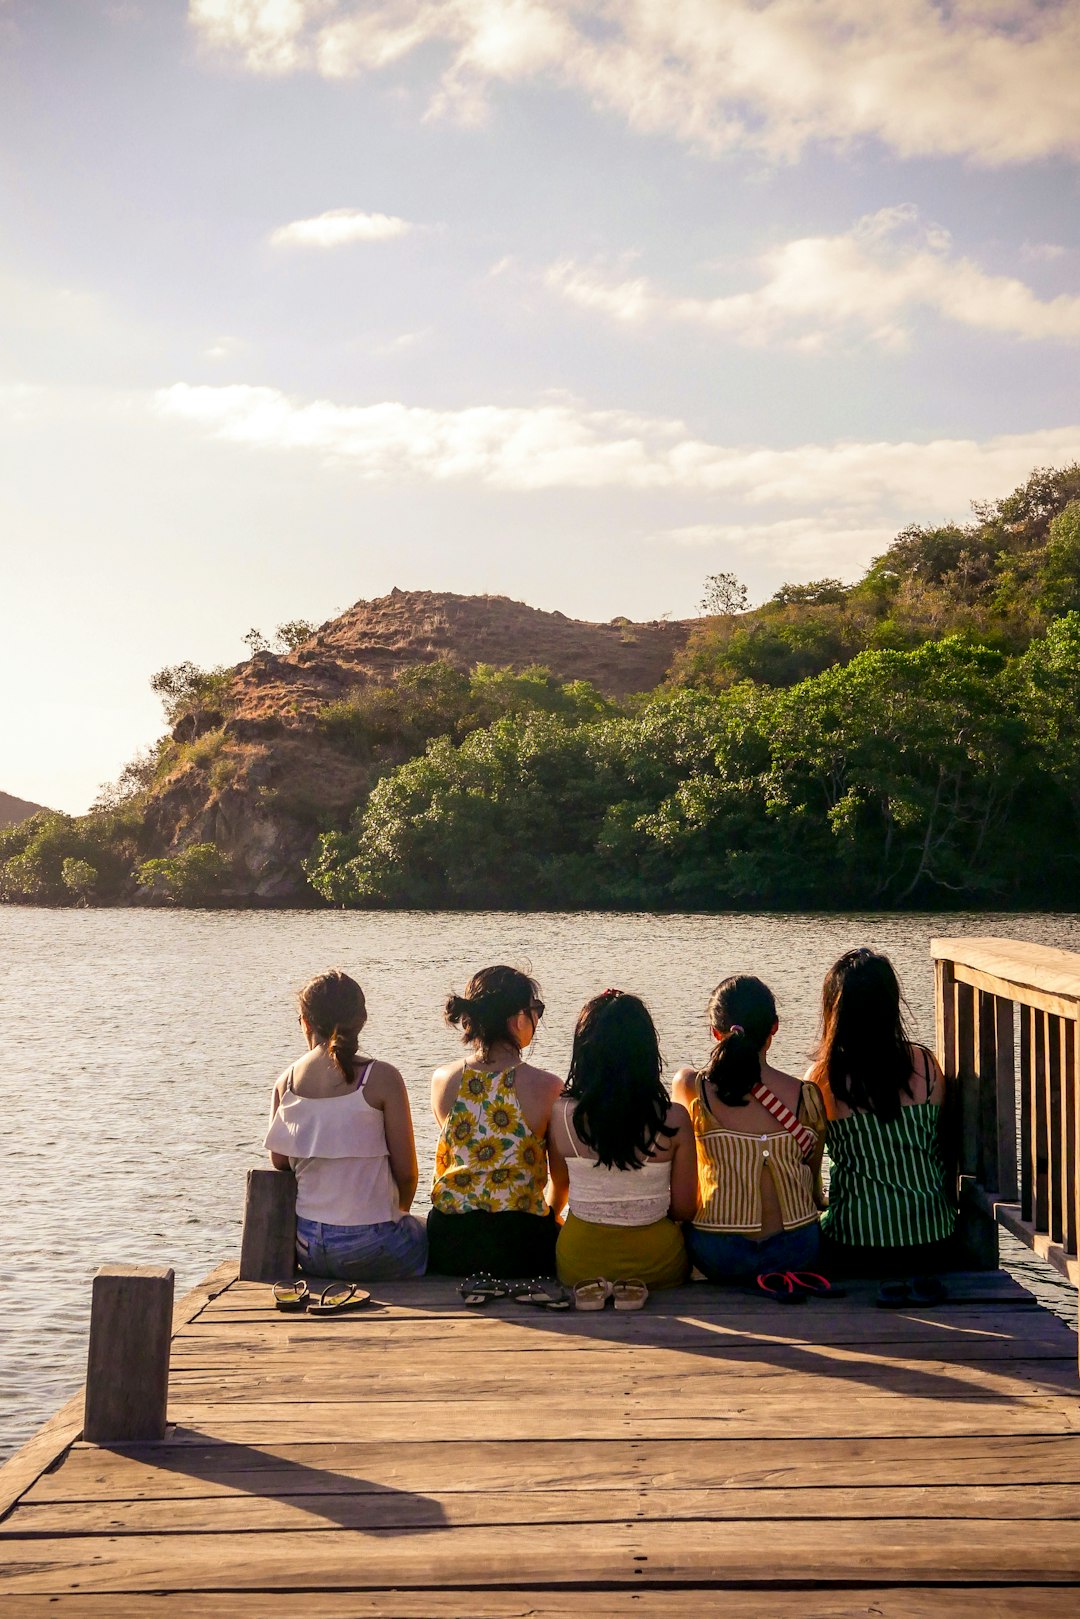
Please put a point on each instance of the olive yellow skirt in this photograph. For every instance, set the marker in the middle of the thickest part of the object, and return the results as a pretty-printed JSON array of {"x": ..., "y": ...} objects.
[{"x": 654, "y": 1254}]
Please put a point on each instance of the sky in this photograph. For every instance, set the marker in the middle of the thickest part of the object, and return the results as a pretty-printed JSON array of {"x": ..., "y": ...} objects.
[{"x": 576, "y": 303}]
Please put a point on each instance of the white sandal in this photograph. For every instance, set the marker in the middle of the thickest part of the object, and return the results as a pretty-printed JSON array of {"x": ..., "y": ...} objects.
[
  {"x": 630, "y": 1295},
  {"x": 592, "y": 1295}
]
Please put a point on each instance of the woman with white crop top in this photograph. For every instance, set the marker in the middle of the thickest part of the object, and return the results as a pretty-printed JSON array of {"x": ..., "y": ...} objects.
[
  {"x": 341, "y": 1122},
  {"x": 627, "y": 1151}
]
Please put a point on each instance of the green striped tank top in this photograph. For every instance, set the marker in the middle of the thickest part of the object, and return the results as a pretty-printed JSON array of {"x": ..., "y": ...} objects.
[{"x": 887, "y": 1187}]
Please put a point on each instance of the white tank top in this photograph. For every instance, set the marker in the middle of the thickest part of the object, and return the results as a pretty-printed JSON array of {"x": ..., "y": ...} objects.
[
  {"x": 337, "y": 1148},
  {"x": 602, "y": 1195}
]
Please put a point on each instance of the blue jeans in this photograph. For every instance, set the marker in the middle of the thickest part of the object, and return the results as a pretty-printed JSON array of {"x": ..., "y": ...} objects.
[
  {"x": 724, "y": 1256},
  {"x": 391, "y": 1251}
]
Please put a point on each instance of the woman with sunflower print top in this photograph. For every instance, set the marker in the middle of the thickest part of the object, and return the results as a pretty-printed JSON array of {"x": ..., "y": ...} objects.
[{"x": 488, "y": 1208}]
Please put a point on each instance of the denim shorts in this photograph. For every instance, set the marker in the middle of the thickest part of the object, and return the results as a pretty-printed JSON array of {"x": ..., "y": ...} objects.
[
  {"x": 724, "y": 1256},
  {"x": 391, "y": 1251}
]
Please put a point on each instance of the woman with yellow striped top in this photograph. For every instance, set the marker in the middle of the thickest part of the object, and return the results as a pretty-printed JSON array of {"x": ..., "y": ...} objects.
[{"x": 760, "y": 1137}]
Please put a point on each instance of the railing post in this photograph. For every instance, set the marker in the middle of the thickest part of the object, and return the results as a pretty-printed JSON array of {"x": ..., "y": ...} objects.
[
  {"x": 127, "y": 1372},
  {"x": 268, "y": 1241},
  {"x": 1005, "y": 1085}
]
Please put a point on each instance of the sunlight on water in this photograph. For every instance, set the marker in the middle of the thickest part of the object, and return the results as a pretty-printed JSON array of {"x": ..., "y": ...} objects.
[{"x": 139, "y": 1050}]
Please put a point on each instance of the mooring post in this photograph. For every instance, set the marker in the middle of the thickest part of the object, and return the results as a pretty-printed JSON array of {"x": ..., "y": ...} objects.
[
  {"x": 127, "y": 1371},
  {"x": 268, "y": 1242}
]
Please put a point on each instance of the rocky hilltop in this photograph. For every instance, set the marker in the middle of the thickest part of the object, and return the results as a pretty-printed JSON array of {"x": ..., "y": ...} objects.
[
  {"x": 13, "y": 810},
  {"x": 256, "y": 769}
]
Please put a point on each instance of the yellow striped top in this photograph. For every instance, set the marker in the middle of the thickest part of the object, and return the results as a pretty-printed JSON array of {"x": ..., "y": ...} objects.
[{"x": 730, "y": 1164}]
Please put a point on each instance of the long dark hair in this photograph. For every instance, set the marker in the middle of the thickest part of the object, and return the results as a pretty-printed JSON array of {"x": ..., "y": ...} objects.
[
  {"x": 864, "y": 1052},
  {"x": 492, "y": 997},
  {"x": 742, "y": 1011},
  {"x": 334, "y": 1006},
  {"x": 615, "y": 1080}
]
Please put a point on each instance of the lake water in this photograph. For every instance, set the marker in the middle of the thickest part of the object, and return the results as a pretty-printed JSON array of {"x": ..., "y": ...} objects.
[{"x": 138, "y": 1050}]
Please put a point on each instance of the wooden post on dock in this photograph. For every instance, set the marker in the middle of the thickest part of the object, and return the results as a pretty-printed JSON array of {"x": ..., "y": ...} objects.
[
  {"x": 127, "y": 1373},
  {"x": 268, "y": 1242}
]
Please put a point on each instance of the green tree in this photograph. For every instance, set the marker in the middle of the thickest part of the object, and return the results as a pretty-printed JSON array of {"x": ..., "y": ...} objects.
[{"x": 193, "y": 876}]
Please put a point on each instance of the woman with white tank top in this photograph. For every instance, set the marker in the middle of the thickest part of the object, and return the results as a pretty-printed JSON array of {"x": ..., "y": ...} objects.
[
  {"x": 342, "y": 1124},
  {"x": 627, "y": 1150}
]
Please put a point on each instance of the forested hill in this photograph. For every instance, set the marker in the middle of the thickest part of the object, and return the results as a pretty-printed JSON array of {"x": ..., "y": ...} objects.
[
  {"x": 13, "y": 810},
  {"x": 910, "y": 739}
]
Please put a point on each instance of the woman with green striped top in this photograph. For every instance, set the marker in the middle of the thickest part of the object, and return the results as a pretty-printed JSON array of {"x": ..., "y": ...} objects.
[{"x": 892, "y": 1206}]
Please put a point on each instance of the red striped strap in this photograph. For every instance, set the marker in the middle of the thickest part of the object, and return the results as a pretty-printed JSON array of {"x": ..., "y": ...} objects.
[{"x": 805, "y": 1137}]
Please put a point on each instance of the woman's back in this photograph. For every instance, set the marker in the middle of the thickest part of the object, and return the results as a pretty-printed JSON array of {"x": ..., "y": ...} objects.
[
  {"x": 753, "y": 1176},
  {"x": 607, "y": 1194},
  {"x": 888, "y": 1186}
]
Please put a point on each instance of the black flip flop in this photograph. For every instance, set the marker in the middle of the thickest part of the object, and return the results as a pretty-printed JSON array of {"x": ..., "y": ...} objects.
[
  {"x": 339, "y": 1297},
  {"x": 893, "y": 1295},
  {"x": 480, "y": 1288},
  {"x": 291, "y": 1296}
]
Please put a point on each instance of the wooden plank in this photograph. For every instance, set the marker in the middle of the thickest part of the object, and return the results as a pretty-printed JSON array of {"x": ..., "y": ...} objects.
[
  {"x": 945, "y": 1016},
  {"x": 851, "y": 1602},
  {"x": 1038, "y": 999},
  {"x": 1006, "y": 1181},
  {"x": 860, "y": 1415},
  {"x": 1027, "y": 1083},
  {"x": 1015, "y": 961},
  {"x": 985, "y": 1065},
  {"x": 1039, "y": 1158},
  {"x": 178, "y": 1472},
  {"x": 401, "y": 1509},
  {"x": 622, "y": 1376},
  {"x": 1008, "y": 1215},
  {"x": 897, "y": 1550},
  {"x": 509, "y": 1353},
  {"x": 1067, "y": 1135},
  {"x": 968, "y": 1077},
  {"x": 42, "y": 1448},
  {"x": 1055, "y": 1188}
]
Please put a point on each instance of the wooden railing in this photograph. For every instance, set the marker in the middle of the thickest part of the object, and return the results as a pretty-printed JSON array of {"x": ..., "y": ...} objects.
[{"x": 1008, "y": 1034}]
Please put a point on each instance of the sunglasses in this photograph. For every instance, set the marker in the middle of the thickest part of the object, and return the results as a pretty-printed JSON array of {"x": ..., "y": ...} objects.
[{"x": 537, "y": 1010}]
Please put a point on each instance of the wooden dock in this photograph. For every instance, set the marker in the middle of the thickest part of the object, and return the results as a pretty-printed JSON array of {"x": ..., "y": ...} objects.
[{"x": 714, "y": 1453}]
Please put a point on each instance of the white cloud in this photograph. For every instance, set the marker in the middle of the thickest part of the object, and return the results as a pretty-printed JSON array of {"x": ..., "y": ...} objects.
[
  {"x": 338, "y": 227},
  {"x": 563, "y": 445},
  {"x": 871, "y": 280},
  {"x": 994, "y": 80}
]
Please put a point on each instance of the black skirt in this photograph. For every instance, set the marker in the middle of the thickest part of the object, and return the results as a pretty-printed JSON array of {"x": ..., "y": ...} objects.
[{"x": 506, "y": 1245}]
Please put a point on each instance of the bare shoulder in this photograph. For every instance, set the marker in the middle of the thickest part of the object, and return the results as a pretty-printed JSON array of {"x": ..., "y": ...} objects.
[
  {"x": 928, "y": 1073},
  {"x": 683, "y": 1084},
  {"x": 679, "y": 1119},
  {"x": 551, "y": 1084},
  {"x": 449, "y": 1073},
  {"x": 384, "y": 1083},
  {"x": 786, "y": 1086}
]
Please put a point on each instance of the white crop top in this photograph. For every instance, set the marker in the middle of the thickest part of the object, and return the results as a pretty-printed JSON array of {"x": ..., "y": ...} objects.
[
  {"x": 337, "y": 1148},
  {"x": 602, "y": 1195}
]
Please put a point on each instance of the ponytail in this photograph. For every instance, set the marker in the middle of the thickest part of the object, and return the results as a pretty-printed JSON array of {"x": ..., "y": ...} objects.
[
  {"x": 343, "y": 1046},
  {"x": 742, "y": 1012},
  {"x": 334, "y": 1006}
]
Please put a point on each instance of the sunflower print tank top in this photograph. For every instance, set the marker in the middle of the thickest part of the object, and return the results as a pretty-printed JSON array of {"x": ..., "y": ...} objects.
[{"x": 488, "y": 1158}]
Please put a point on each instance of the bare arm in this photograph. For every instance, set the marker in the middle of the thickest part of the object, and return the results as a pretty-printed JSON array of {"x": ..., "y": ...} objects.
[
  {"x": 684, "y": 1177},
  {"x": 682, "y": 1087},
  {"x": 445, "y": 1084},
  {"x": 276, "y": 1158},
  {"x": 385, "y": 1090},
  {"x": 558, "y": 1173}
]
